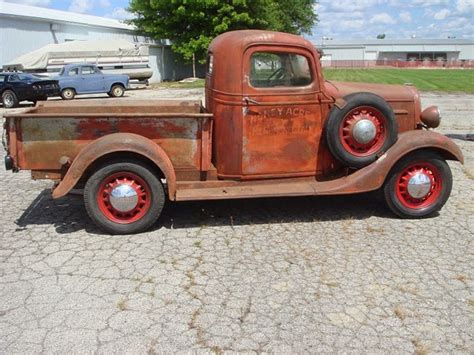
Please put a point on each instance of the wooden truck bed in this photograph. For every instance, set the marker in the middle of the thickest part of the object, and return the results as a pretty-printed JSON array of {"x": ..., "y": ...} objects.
[{"x": 41, "y": 136}]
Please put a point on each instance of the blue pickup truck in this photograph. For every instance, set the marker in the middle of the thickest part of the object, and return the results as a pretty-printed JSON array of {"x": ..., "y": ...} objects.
[{"x": 85, "y": 78}]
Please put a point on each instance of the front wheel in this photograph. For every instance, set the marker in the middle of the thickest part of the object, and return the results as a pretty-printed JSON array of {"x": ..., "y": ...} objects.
[
  {"x": 124, "y": 197},
  {"x": 418, "y": 186}
]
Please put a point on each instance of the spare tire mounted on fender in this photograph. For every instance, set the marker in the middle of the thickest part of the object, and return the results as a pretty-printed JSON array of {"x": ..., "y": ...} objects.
[{"x": 362, "y": 130}]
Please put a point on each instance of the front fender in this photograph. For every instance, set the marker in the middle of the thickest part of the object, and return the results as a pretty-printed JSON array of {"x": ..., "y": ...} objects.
[
  {"x": 373, "y": 176},
  {"x": 117, "y": 142}
]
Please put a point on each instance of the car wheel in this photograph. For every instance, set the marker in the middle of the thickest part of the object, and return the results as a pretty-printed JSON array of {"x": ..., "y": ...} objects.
[
  {"x": 117, "y": 90},
  {"x": 124, "y": 197},
  {"x": 362, "y": 130},
  {"x": 9, "y": 99},
  {"x": 418, "y": 186},
  {"x": 68, "y": 94}
]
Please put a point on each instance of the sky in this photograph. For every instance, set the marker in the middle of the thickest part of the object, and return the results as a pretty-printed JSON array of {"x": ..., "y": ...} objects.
[{"x": 338, "y": 19}]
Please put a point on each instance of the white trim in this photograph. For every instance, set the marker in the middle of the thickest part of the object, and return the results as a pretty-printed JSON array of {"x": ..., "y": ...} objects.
[{"x": 8, "y": 9}]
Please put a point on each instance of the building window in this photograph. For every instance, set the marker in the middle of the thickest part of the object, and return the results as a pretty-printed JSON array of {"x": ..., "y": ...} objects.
[{"x": 427, "y": 56}]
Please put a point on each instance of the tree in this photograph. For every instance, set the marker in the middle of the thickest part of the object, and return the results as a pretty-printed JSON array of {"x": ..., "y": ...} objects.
[{"x": 192, "y": 24}]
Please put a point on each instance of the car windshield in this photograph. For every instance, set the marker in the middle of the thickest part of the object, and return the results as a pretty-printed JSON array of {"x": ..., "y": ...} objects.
[{"x": 25, "y": 77}]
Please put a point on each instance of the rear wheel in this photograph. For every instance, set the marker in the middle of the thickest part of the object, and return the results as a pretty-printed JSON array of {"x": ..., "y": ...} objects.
[
  {"x": 124, "y": 197},
  {"x": 9, "y": 99},
  {"x": 117, "y": 90},
  {"x": 418, "y": 186},
  {"x": 68, "y": 94}
]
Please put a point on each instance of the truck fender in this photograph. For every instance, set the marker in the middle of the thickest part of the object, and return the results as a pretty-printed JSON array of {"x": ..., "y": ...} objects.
[
  {"x": 117, "y": 142},
  {"x": 373, "y": 176}
]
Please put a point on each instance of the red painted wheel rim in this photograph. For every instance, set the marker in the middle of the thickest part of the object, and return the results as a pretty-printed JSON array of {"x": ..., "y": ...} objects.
[
  {"x": 402, "y": 185},
  {"x": 350, "y": 144},
  {"x": 134, "y": 181}
]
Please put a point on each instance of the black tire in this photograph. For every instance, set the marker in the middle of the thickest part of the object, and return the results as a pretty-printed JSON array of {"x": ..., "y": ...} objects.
[
  {"x": 117, "y": 90},
  {"x": 68, "y": 93},
  {"x": 428, "y": 205},
  {"x": 339, "y": 116},
  {"x": 9, "y": 99},
  {"x": 151, "y": 184}
]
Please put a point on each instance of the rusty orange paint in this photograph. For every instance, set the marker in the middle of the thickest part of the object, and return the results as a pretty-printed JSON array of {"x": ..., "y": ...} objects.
[{"x": 246, "y": 142}]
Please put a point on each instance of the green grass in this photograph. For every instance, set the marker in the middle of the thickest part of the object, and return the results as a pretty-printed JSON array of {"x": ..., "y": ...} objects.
[
  {"x": 444, "y": 80},
  {"x": 199, "y": 83}
]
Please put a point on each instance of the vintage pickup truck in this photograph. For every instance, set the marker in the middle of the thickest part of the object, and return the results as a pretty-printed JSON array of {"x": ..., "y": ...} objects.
[{"x": 271, "y": 126}]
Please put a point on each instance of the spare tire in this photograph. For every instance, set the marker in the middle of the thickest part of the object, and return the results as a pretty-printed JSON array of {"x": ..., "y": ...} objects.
[{"x": 361, "y": 130}]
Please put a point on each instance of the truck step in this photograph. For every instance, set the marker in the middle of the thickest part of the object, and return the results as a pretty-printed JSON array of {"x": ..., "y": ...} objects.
[{"x": 253, "y": 189}]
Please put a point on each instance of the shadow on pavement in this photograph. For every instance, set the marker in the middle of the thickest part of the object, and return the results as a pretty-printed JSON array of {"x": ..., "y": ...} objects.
[
  {"x": 68, "y": 214},
  {"x": 465, "y": 137}
]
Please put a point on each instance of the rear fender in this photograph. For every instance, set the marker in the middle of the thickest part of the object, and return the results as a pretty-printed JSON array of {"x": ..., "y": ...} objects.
[
  {"x": 117, "y": 142},
  {"x": 373, "y": 176}
]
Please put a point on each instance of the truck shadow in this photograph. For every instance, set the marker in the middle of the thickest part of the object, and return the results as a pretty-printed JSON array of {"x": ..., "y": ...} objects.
[{"x": 68, "y": 214}]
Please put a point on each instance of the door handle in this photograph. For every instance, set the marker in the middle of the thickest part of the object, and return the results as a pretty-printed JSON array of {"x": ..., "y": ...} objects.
[{"x": 249, "y": 100}]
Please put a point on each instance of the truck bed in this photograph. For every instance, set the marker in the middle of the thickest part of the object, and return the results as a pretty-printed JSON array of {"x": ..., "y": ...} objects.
[{"x": 43, "y": 134}]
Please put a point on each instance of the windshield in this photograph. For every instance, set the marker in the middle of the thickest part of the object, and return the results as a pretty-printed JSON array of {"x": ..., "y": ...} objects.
[{"x": 24, "y": 77}]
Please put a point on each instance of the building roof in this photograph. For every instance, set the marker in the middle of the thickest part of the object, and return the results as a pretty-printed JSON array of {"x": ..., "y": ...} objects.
[
  {"x": 8, "y": 9},
  {"x": 394, "y": 42}
]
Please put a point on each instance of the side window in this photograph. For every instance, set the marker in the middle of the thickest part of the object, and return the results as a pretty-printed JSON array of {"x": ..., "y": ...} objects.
[
  {"x": 2, "y": 78},
  {"x": 87, "y": 70},
  {"x": 269, "y": 69},
  {"x": 14, "y": 77},
  {"x": 210, "y": 63},
  {"x": 73, "y": 71}
]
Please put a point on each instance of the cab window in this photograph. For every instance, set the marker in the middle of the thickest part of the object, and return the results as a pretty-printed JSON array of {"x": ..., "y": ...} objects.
[
  {"x": 74, "y": 71},
  {"x": 269, "y": 69},
  {"x": 87, "y": 70}
]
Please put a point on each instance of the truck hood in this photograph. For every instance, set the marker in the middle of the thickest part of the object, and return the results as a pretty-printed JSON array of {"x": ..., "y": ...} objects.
[{"x": 338, "y": 89}]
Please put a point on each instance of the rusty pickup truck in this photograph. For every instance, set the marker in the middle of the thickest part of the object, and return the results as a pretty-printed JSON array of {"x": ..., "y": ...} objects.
[{"x": 271, "y": 126}]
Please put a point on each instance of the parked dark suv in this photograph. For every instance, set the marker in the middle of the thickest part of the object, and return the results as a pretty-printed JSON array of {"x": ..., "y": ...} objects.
[{"x": 17, "y": 87}]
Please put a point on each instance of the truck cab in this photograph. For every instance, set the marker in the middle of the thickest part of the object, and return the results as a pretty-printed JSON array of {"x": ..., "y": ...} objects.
[{"x": 271, "y": 126}]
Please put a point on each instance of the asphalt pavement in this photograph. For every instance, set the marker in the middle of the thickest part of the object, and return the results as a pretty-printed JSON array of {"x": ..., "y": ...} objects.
[{"x": 325, "y": 275}]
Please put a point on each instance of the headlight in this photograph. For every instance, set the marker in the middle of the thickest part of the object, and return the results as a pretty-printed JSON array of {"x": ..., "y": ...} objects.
[{"x": 431, "y": 116}]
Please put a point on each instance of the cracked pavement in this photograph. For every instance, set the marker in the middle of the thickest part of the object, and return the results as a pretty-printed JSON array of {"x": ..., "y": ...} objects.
[{"x": 284, "y": 275}]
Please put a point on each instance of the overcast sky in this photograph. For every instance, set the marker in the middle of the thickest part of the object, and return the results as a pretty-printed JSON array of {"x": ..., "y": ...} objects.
[{"x": 339, "y": 19}]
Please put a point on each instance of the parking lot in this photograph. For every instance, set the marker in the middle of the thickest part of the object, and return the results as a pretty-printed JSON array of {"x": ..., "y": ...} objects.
[{"x": 270, "y": 275}]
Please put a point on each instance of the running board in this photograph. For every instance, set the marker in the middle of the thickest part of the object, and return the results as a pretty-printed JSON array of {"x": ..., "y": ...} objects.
[{"x": 220, "y": 190}]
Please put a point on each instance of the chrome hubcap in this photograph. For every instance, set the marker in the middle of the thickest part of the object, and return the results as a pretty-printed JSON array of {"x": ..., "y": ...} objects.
[
  {"x": 123, "y": 198},
  {"x": 364, "y": 131},
  {"x": 419, "y": 185}
]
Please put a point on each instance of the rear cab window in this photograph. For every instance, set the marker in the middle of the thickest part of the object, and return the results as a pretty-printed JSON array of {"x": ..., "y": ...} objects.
[{"x": 279, "y": 69}]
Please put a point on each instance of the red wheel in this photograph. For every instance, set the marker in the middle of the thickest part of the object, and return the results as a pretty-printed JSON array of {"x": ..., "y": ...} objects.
[
  {"x": 124, "y": 197},
  {"x": 418, "y": 185},
  {"x": 363, "y": 131}
]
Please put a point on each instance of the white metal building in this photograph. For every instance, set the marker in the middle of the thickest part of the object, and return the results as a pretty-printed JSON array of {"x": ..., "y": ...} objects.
[
  {"x": 403, "y": 50},
  {"x": 26, "y": 28}
]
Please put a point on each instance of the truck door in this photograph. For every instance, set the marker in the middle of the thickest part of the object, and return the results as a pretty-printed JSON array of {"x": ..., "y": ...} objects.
[
  {"x": 281, "y": 113},
  {"x": 91, "y": 80}
]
